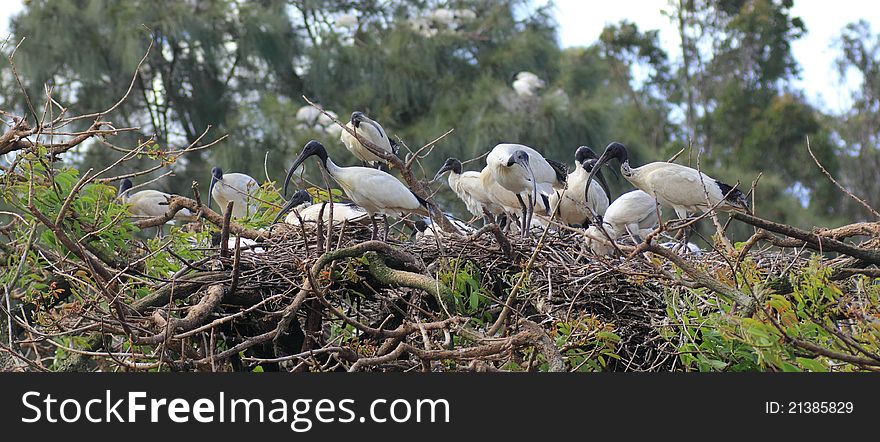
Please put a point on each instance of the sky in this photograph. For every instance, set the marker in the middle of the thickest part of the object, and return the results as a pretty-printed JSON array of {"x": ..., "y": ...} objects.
[{"x": 581, "y": 21}]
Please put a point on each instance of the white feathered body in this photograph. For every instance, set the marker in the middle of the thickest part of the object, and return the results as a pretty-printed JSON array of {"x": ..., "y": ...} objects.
[
  {"x": 377, "y": 136},
  {"x": 375, "y": 191},
  {"x": 240, "y": 189},
  {"x": 468, "y": 187},
  {"x": 503, "y": 198},
  {"x": 682, "y": 188},
  {"x": 152, "y": 203},
  {"x": 342, "y": 212},
  {"x": 572, "y": 207},
  {"x": 527, "y": 84},
  {"x": 634, "y": 212},
  {"x": 515, "y": 178}
]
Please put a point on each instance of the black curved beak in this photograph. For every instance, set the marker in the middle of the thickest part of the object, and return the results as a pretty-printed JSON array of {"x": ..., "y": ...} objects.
[
  {"x": 444, "y": 169},
  {"x": 299, "y": 160},
  {"x": 599, "y": 177},
  {"x": 211, "y": 191},
  {"x": 298, "y": 198},
  {"x": 604, "y": 158},
  {"x": 524, "y": 162}
]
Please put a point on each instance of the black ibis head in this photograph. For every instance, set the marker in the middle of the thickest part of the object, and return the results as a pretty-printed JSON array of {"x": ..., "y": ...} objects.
[
  {"x": 299, "y": 197},
  {"x": 584, "y": 153},
  {"x": 734, "y": 197},
  {"x": 613, "y": 150},
  {"x": 216, "y": 175},
  {"x": 124, "y": 186},
  {"x": 451, "y": 164},
  {"x": 311, "y": 148},
  {"x": 519, "y": 157}
]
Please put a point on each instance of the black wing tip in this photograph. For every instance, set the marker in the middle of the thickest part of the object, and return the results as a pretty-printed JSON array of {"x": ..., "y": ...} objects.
[{"x": 561, "y": 169}]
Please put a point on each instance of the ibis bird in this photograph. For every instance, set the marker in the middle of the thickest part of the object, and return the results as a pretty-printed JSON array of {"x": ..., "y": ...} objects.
[
  {"x": 525, "y": 172},
  {"x": 425, "y": 227},
  {"x": 247, "y": 245},
  {"x": 579, "y": 203},
  {"x": 375, "y": 191},
  {"x": 468, "y": 188},
  {"x": 371, "y": 131},
  {"x": 236, "y": 187},
  {"x": 302, "y": 210},
  {"x": 684, "y": 189},
  {"x": 149, "y": 204},
  {"x": 527, "y": 84},
  {"x": 634, "y": 212}
]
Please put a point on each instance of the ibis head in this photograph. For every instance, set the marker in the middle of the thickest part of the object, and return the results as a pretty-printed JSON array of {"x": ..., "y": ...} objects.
[
  {"x": 452, "y": 164},
  {"x": 311, "y": 148},
  {"x": 519, "y": 157},
  {"x": 358, "y": 117},
  {"x": 124, "y": 186},
  {"x": 584, "y": 153},
  {"x": 299, "y": 197},
  {"x": 613, "y": 150}
]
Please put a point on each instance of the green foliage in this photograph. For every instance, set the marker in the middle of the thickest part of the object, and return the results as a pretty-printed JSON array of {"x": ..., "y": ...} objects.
[
  {"x": 816, "y": 312},
  {"x": 471, "y": 299}
]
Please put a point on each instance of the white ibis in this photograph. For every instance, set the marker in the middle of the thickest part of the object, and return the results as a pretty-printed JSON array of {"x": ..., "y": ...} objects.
[
  {"x": 425, "y": 227},
  {"x": 527, "y": 84},
  {"x": 149, "y": 203},
  {"x": 525, "y": 172},
  {"x": 576, "y": 207},
  {"x": 236, "y": 187},
  {"x": 302, "y": 210},
  {"x": 371, "y": 131},
  {"x": 684, "y": 189},
  {"x": 247, "y": 245},
  {"x": 375, "y": 191},
  {"x": 468, "y": 187},
  {"x": 634, "y": 212}
]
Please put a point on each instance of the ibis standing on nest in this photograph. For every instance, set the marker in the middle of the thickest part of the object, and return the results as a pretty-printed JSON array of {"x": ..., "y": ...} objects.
[
  {"x": 525, "y": 172},
  {"x": 684, "y": 189},
  {"x": 468, "y": 188},
  {"x": 370, "y": 130},
  {"x": 302, "y": 210},
  {"x": 376, "y": 191},
  {"x": 236, "y": 187},
  {"x": 581, "y": 203},
  {"x": 149, "y": 204}
]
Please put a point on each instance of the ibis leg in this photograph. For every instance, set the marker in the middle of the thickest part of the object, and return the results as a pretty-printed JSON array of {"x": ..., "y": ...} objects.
[
  {"x": 385, "y": 220},
  {"x": 375, "y": 228},
  {"x": 525, "y": 213}
]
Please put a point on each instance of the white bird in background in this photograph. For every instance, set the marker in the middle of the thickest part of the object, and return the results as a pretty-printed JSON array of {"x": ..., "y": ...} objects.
[
  {"x": 150, "y": 204},
  {"x": 469, "y": 189},
  {"x": 308, "y": 114},
  {"x": 574, "y": 207},
  {"x": 525, "y": 172},
  {"x": 346, "y": 21},
  {"x": 527, "y": 84},
  {"x": 302, "y": 210},
  {"x": 634, "y": 212},
  {"x": 684, "y": 189},
  {"x": 370, "y": 130},
  {"x": 236, "y": 187},
  {"x": 375, "y": 191}
]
